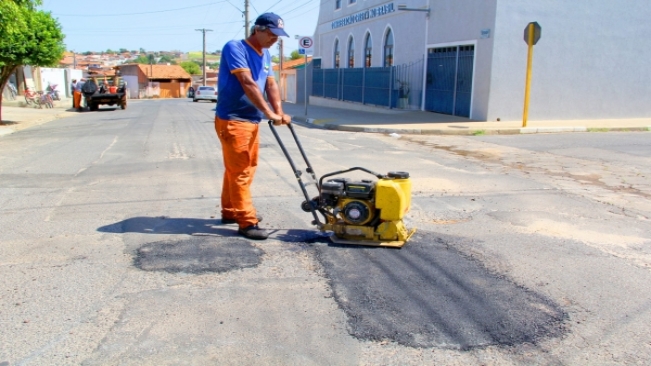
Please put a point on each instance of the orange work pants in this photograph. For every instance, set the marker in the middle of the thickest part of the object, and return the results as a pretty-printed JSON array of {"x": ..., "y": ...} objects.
[
  {"x": 240, "y": 143},
  {"x": 76, "y": 97}
]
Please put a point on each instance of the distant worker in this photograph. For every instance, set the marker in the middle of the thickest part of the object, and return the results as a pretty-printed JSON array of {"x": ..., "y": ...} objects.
[
  {"x": 73, "y": 85},
  {"x": 76, "y": 97},
  {"x": 245, "y": 75}
]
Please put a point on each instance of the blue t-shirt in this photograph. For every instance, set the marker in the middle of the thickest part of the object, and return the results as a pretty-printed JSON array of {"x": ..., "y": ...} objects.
[{"x": 232, "y": 103}]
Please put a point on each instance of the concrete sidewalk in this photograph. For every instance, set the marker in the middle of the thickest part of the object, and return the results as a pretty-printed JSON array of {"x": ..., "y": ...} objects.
[
  {"x": 16, "y": 117},
  {"x": 382, "y": 120}
]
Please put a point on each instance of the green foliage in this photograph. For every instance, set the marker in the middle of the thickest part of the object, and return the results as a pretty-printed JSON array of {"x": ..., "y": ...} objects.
[
  {"x": 142, "y": 59},
  {"x": 191, "y": 67},
  {"x": 275, "y": 59},
  {"x": 295, "y": 55},
  {"x": 27, "y": 37},
  {"x": 166, "y": 59}
]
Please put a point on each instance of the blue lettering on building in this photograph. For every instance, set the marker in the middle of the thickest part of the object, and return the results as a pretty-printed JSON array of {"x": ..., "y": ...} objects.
[{"x": 364, "y": 15}]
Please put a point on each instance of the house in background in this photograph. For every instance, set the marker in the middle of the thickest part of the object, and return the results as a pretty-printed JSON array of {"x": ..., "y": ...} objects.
[
  {"x": 291, "y": 80},
  {"x": 211, "y": 79},
  {"x": 155, "y": 81}
]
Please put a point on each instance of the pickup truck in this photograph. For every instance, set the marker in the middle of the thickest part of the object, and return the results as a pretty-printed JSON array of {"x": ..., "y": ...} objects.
[{"x": 111, "y": 91}]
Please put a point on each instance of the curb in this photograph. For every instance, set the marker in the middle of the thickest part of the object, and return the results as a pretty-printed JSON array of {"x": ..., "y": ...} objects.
[{"x": 310, "y": 123}]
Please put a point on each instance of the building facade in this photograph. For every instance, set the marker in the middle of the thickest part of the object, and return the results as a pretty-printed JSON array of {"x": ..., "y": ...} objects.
[{"x": 588, "y": 64}]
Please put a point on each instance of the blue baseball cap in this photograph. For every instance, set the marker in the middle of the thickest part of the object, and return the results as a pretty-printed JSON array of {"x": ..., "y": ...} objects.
[{"x": 273, "y": 22}]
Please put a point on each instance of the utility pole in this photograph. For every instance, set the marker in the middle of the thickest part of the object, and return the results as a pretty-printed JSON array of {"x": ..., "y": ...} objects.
[
  {"x": 204, "y": 30},
  {"x": 247, "y": 31},
  {"x": 280, "y": 69}
]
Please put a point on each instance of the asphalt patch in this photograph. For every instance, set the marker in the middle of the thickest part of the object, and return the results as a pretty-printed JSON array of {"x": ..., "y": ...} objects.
[
  {"x": 198, "y": 255},
  {"x": 428, "y": 294}
]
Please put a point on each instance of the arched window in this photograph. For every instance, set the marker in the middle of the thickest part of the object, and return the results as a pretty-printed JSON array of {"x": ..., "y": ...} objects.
[
  {"x": 336, "y": 60},
  {"x": 388, "y": 49},
  {"x": 351, "y": 53},
  {"x": 367, "y": 50}
]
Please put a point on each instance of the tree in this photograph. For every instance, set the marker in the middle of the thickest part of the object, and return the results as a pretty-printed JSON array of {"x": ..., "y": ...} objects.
[
  {"x": 191, "y": 67},
  {"x": 295, "y": 55},
  {"x": 275, "y": 59},
  {"x": 27, "y": 37},
  {"x": 167, "y": 59}
]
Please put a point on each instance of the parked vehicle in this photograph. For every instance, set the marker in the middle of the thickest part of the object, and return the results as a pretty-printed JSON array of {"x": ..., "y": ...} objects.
[
  {"x": 205, "y": 93},
  {"x": 111, "y": 91}
]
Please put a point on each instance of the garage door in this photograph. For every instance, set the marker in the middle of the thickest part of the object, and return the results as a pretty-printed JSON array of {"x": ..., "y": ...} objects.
[{"x": 448, "y": 86}]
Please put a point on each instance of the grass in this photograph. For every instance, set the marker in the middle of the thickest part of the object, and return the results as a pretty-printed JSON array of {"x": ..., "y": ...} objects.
[
  {"x": 198, "y": 55},
  {"x": 479, "y": 132},
  {"x": 598, "y": 129}
]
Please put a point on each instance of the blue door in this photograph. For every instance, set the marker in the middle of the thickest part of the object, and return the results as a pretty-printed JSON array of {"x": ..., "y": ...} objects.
[{"x": 448, "y": 86}]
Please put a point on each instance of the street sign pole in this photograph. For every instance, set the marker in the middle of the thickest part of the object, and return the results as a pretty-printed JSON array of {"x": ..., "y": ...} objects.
[
  {"x": 305, "y": 47},
  {"x": 532, "y": 35},
  {"x": 305, "y": 68}
]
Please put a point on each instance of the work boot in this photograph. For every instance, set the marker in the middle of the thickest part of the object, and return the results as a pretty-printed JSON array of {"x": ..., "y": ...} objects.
[
  {"x": 253, "y": 232},
  {"x": 233, "y": 221}
]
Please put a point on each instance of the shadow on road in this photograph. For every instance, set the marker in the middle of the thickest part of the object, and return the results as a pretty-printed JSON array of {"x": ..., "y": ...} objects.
[
  {"x": 213, "y": 227},
  {"x": 169, "y": 225}
]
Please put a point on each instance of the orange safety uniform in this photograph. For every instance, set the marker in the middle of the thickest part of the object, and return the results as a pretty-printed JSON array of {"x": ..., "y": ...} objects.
[
  {"x": 240, "y": 144},
  {"x": 237, "y": 126},
  {"x": 76, "y": 97}
]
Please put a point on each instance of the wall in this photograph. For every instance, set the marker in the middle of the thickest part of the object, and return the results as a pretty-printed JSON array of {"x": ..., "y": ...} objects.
[
  {"x": 407, "y": 27},
  {"x": 50, "y": 76},
  {"x": 460, "y": 22},
  {"x": 132, "y": 85},
  {"x": 590, "y": 63}
]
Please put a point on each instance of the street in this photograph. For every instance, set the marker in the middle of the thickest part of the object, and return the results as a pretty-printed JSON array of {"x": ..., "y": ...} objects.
[{"x": 530, "y": 249}]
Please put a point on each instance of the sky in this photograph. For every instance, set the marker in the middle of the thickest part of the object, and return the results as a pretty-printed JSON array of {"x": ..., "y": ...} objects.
[{"x": 166, "y": 25}]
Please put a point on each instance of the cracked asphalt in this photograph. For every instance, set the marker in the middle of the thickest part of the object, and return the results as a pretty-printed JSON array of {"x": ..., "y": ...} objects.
[{"x": 529, "y": 249}]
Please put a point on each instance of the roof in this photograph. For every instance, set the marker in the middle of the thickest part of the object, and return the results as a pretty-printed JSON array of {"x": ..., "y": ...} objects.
[
  {"x": 162, "y": 71},
  {"x": 101, "y": 72},
  {"x": 292, "y": 64}
]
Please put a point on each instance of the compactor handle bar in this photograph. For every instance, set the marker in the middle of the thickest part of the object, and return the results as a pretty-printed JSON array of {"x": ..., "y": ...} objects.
[{"x": 297, "y": 172}]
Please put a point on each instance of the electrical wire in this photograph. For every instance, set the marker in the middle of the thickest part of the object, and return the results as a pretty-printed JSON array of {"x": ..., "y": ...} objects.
[{"x": 140, "y": 13}]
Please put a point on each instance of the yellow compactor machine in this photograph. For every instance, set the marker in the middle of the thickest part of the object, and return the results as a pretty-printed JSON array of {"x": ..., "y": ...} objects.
[{"x": 362, "y": 212}]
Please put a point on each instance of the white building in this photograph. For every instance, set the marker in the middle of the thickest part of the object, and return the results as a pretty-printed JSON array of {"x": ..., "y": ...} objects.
[{"x": 591, "y": 61}]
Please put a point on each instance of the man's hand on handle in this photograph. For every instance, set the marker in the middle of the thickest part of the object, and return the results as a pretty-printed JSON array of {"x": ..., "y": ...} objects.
[{"x": 279, "y": 119}]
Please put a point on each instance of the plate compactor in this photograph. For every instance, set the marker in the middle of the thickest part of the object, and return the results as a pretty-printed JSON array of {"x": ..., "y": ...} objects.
[{"x": 365, "y": 212}]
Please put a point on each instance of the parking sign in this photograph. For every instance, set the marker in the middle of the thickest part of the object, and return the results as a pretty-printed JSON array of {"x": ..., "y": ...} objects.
[{"x": 306, "y": 46}]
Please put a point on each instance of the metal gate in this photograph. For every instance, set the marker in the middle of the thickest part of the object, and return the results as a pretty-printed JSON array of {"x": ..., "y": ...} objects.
[{"x": 448, "y": 87}]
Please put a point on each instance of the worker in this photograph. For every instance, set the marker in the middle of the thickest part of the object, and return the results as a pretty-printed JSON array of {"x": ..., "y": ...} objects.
[
  {"x": 73, "y": 85},
  {"x": 77, "y": 94},
  {"x": 245, "y": 74}
]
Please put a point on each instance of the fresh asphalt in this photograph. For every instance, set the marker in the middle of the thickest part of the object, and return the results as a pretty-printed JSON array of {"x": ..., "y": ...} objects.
[{"x": 115, "y": 237}]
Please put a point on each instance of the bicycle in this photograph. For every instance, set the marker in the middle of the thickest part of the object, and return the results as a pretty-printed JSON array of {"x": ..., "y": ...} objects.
[
  {"x": 31, "y": 98},
  {"x": 12, "y": 90},
  {"x": 44, "y": 99}
]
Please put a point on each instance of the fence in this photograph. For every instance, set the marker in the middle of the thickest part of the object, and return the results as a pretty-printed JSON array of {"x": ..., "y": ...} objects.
[{"x": 397, "y": 86}]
